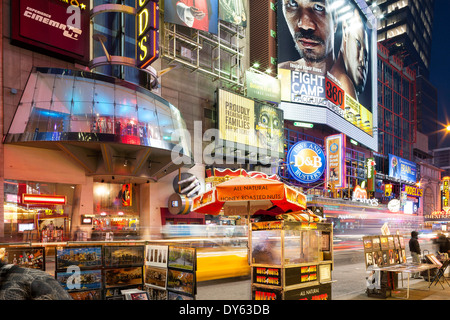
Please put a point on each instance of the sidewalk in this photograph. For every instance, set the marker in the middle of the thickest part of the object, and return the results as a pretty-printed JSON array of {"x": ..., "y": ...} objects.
[{"x": 418, "y": 291}]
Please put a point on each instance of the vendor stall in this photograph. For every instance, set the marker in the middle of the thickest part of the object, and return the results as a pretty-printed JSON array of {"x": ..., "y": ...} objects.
[
  {"x": 290, "y": 259},
  {"x": 385, "y": 259},
  {"x": 291, "y": 255}
]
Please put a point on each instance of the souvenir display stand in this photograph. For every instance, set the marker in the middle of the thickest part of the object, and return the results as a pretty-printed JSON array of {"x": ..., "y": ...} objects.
[
  {"x": 115, "y": 271},
  {"x": 385, "y": 259},
  {"x": 291, "y": 260}
]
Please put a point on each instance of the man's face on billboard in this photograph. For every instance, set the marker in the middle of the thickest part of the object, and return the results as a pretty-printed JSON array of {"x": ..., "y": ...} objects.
[
  {"x": 356, "y": 52},
  {"x": 312, "y": 27}
]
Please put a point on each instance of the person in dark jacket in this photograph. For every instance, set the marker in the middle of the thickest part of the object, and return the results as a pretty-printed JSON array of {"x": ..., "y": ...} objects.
[
  {"x": 414, "y": 247},
  {"x": 442, "y": 243}
]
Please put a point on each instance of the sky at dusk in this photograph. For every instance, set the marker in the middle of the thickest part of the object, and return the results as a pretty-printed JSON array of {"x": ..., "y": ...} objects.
[{"x": 440, "y": 61}]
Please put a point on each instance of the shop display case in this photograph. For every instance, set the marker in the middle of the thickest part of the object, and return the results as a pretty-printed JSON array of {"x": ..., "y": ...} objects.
[{"x": 291, "y": 260}]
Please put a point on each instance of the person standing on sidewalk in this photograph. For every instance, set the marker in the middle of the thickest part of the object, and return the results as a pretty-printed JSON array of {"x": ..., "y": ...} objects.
[{"x": 414, "y": 247}]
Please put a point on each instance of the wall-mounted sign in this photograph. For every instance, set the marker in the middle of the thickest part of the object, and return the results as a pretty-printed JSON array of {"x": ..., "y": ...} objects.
[
  {"x": 387, "y": 190},
  {"x": 413, "y": 191},
  {"x": 86, "y": 219},
  {"x": 263, "y": 87},
  {"x": 126, "y": 195},
  {"x": 438, "y": 216},
  {"x": 445, "y": 191},
  {"x": 360, "y": 195},
  {"x": 306, "y": 162},
  {"x": 44, "y": 199},
  {"x": 335, "y": 150},
  {"x": 147, "y": 32},
  {"x": 57, "y": 27},
  {"x": 370, "y": 171},
  {"x": 394, "y": 205}
]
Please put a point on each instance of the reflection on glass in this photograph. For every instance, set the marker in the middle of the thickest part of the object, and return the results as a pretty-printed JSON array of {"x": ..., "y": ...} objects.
[
  {"x": 57, "y": 103},
  {"x": 266, "y": 247}
]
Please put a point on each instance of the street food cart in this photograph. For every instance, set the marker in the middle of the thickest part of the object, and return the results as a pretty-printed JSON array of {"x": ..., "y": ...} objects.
[
  {"x": 291, "y": 251},
  {"x": 291, "y": 260}
]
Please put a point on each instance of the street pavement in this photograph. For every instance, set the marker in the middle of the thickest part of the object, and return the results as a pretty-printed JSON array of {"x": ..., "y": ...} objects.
[{"x": 349, "y": 275}]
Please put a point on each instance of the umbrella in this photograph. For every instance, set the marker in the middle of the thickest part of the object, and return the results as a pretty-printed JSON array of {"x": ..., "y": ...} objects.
[{"x": 246, "y": 195}]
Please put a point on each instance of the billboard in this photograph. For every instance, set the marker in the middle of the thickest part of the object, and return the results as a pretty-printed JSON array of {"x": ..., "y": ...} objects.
[
  {"x": 262, "y": 87},
  {"x": 402, "y": 169},
  {"x": 59, "y": 27},
  {"x": 327, "y": 62},
  {"x": 246, "y": 122},
  {"x": 197, "y": 14}
]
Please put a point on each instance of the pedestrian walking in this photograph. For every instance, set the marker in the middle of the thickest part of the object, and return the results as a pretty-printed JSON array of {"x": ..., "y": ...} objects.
[{"x": 414, "y": 248}]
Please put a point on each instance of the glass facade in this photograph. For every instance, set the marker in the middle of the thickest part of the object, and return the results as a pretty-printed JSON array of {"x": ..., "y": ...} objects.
[
  {"x": 396, "y": 96},
  {"x": 42, "y": 222},
  {"x": 65, "y": 105}
]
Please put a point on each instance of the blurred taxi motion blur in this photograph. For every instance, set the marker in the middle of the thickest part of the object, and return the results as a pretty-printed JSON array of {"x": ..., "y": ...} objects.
[{"x": 222, "y": 250}]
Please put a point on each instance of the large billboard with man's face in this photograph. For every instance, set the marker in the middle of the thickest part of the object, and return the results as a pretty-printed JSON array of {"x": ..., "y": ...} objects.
[{"x": 326, "y": 63}]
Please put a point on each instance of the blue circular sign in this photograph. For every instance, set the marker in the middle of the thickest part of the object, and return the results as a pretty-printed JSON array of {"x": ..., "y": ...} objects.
[{"x": 306, "y": 162}]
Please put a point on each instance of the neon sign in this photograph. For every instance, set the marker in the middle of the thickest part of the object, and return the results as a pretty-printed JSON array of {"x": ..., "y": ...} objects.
[
  {"x": 43, "y": 199},
  {"x": 147, "y": 33},
  {"x": 306, "y": 162}
]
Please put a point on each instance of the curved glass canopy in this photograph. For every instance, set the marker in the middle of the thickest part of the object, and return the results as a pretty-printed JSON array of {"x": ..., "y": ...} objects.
[{"x": 60, "y": 105}]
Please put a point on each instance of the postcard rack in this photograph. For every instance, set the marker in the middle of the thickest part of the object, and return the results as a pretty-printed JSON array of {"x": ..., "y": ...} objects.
[
  {"x": 291, "y": 260},
  {"x": 116, "y": 272}
]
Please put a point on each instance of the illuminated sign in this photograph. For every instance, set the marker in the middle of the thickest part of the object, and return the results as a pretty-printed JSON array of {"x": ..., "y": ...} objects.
[
  {"x": 438, "y": 216},
  {"x": 387, "y": 190},
  {"x": 445, "y": 191},
  {"x": 60, "y": 27},
  {"x": 335, "y": 149},
  {"x": 43, "y": 199},
  {"x": 335, "y": 94},
  {"x": 328, "y": 73},
  {"x": 306, "y": 162},
  {"x": 126, "y": 195},
  {"x": 394, "y": 205},
  {"x": 370, "y": 167},
  {"x": 402, "y": 169},
  {"x": 360, "y": 195},
  {"x": 147, "y": 32},
  {"x": 413, "y": 191}
]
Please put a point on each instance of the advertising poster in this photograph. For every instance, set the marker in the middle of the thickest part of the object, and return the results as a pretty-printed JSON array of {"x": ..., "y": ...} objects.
[
  {"x": 331, "y": 65},
  {"x": 236, "y": 118},
  {"x": 197, "y": 14},
  {"x": 126, "y": 195},
  {"x": 269, "y": 128},
  {"x": 335, "y": 152},
  {"x": 402, "y": 169},
  {"x": 233, "y": 11},
  {"x": 244, "y": 121}
]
